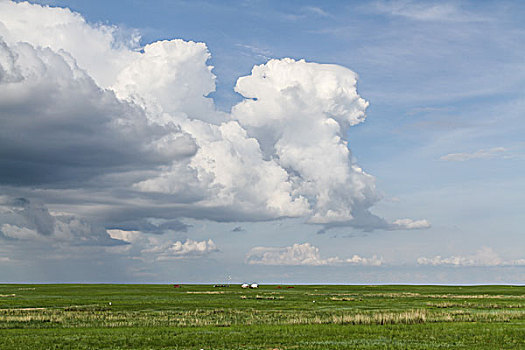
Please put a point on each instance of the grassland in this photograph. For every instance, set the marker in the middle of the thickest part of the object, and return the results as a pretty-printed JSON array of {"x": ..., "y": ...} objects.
[{"x": 303, "y": 317}]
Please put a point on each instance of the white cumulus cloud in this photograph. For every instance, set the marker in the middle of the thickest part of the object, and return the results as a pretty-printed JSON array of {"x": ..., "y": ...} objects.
[
  {"x": 186, "y": 249},
  {"x": 302, "y": 254},
  {"x": 484, "y": 257},
  {"x": 359, "y": 260},
  {"x": 95, "y": 47},
  {"x": 300, "y": 113},
  {"x": 153, "y": 247},
  {"x": 409, "y": 224}
]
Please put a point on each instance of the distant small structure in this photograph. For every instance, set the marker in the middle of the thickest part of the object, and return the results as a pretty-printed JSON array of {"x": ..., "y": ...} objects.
[
  {"x": 220, "y": 285},
  {"x": 177, "y": 286},
  {"x": 245, "y": 285},
  {"x": 254, "y": 285}
]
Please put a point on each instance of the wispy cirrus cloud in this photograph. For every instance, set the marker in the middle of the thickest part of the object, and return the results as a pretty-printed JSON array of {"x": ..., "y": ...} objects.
[
  {"x": 305, "y": 12},
  {"x": 443, "y": 11},
  {"x": 253, "y": 50},
  {"x": 480, "y": 154},
  {"x": 316, "y": 11}
]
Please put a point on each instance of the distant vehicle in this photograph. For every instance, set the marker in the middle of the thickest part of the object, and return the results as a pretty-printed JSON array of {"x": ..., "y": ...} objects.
[
  {"x": 177, "y": 286},
  {"x": 245, "y": 285}
]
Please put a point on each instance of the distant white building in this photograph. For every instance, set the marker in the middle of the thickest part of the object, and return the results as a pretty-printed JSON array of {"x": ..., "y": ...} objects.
[
  {"x": 245, "y": 285},
  {"x": 254, "y": 285}
]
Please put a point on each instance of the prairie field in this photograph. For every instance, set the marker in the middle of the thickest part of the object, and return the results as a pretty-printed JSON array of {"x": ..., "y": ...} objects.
[{"x": 101, "y": 316}]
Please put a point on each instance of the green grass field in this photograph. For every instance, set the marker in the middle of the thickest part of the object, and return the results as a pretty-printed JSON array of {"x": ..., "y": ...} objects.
[{"x": 303, "y": 317}]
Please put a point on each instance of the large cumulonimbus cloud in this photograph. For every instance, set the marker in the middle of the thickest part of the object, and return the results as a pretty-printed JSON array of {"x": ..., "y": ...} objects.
[{"x": 130, "y": 133}]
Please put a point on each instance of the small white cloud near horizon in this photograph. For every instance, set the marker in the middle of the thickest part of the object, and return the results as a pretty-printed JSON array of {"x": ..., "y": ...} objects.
[
  {"x": 480, "y": 154},
  {"x": 180, "y": 250},
  {"x": 302, "y": 254},
  {"x": 155, "y": 247},
  {"x": 485, "y": 256},
  {"x": 409, "y": 224},
  {"x": 359, "y": 260}
]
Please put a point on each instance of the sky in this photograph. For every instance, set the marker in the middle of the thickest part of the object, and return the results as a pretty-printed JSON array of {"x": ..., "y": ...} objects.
[{"x": 343, "y": 142}]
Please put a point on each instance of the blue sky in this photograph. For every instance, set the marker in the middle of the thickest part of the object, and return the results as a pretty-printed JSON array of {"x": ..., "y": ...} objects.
[{"x": 443, "y": 140}]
